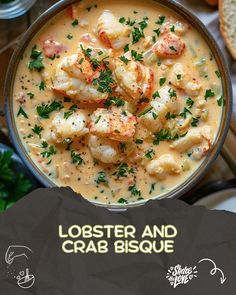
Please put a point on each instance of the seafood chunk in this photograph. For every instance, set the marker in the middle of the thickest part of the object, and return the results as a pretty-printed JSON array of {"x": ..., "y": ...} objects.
[
  {"x": 52, "y": 48},
  {"x": 154, "y": 119},
  {"x": 135, "y": 79},
  {"x": 111, "y": 31},
  {"x": 183, "y": 80},
  {"x": 169, "y": 46},
  {"x": 163, "y": 166},
  {"x": 199, "y": 138},
  {"x": 113, "y": 123},
  {"x": 75, "y": 88},
  {"x": 176, "y": 26},
  {"x": 103, "y": 149},
  {"x": 73, "y": 126}
]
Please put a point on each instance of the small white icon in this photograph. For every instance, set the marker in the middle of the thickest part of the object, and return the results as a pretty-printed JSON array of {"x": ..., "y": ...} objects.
[
  {"x": 178, "y": 275},
  {"x": 215, "y": 269},
  {"x": 15, "y": 251},
  {"x": 25, "y": 280}
]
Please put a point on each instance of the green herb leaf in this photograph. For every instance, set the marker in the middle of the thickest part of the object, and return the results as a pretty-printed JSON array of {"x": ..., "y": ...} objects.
[
  {"x": 221, "y": 101},
  {"x": 51, "y": 151},
  {"x": 145, "y": 112},
  {"x": 44, "y": 110},
  {"x": 138, "y": 141},
  {"x": 124, "y": 59},
  {"x": 22, "y": 112},
  {"x": 161, "y": 20},
  {"x": 76, "y": 158},
  {"x": 101, "y": 178},
  {"x": 137, "y": 56},
  {"x": 37, "y": 129},
  {"x": 189, "y": 102},
  {"x": 209, "y": 93},
  {"x": 162, "y": 81},
  {"x": 75, "y": 23}
]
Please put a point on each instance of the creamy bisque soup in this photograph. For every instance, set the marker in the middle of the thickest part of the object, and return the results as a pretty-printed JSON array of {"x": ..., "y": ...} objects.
[{"x": 120, "y": 100}]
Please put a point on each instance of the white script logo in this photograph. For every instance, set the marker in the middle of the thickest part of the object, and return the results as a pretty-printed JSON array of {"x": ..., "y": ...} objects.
[{"x": 178, "y": 275}]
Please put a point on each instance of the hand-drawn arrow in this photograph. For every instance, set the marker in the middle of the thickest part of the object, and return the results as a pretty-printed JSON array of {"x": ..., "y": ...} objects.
[{"x": 214, "y": 270}]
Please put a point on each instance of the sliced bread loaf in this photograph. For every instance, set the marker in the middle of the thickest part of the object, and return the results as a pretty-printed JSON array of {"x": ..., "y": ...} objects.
[{"x": 227, "y": 9}]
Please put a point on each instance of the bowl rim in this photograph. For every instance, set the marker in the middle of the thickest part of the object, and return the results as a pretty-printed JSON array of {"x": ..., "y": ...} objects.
[{"x": 189, "y": 182}]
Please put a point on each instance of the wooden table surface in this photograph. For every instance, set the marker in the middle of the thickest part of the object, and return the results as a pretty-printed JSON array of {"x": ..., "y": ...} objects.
[{"x": 10, "y": 30}]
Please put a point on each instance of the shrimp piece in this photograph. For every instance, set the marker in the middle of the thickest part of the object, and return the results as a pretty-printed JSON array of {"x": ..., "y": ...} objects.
[
  {"x": 52, "y": 48},
  {"x": 83, "y": 67},
  {"x": 72, "y": 127},
  {"x": 169, "y": 46},
  {"x": 184, "y": 81},
  {"x": 111, "y": 32},
  {"x": 113, "y": 123},
  {"x": 199, "y": 138},
  {"x": 76, "y": 89},
  {"x": 103, "y": 149},
  {"x": 163, "y": 166},
  {"x": 176, "y": 26},
  {"x": 154, "y": 119},
  {"x": 135, "y": 79}
]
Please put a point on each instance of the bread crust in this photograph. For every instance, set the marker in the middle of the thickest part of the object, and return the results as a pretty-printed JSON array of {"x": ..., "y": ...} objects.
[{"x": 223, "y": 30}]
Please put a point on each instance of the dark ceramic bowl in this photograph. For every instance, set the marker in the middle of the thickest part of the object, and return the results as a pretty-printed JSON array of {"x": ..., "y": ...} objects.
[{"x": 227, "y": 89}]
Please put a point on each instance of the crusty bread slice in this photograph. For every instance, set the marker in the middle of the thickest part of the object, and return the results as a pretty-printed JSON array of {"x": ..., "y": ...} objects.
[{"x": 227, "y": 9}]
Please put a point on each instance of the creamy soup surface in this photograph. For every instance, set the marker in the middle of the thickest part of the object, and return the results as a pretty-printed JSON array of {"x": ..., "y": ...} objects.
[{"x": 120, "y": 100}]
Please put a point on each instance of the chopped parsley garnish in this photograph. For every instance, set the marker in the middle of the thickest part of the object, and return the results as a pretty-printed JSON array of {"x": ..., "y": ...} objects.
[
  {"x": 154, "y": 115},
  {"x": 98, "y": 119},
  {"x": 42, "y": 86},
  {"x": 22, "y": 112},
  {"x": 145, "y": 112},
  {"x": 162, "y": 81},
  {"x": 75, "y": 23},
  {"x": 170, "y": 116},
  {"x": 189, "y": 102},
  {"x": 149, "y": 154},
  {"x": 164, "y": 135},
  {"x": 158, "y": 32},
  {"x": 130, "y": 22},
  {"x": 76, "y": 158},
  {"x": 136, "y": 56},
  {"x": 156, "y": 94},
  {"x": 122, "y": 201},
  {"x": 173, "y": 48},
  {"x": 152, "y": 188},
  {"x": 67, "y": 114},
  {"x": 44, "y": 110},
  {"x": 36, "y": 62},
  {"x": 124, "y": 59},
  {"x": 218, "y": 74},
  {"x": 101, "y": 178},
  {"x": 179, "y": 76},
  {"x": 114, "y": 100},
  {"x": 134, "y": 190},
  {"x": 138, "y": 33},
  {"x": 122, "y": 20},
  {"x": 104, "y": 81},
  {"x": 172, "y": 29},
  {"x": 209, "y": 93},
  {"x": 95, "y": 63},
  {"x": 37, "y": 130},
  {"x": 51, "y": 151},
  {"x": 138, "y": 141},
  {"x": 87, "y": 52},
  {"x": 221, "y": 101},
  {"x": 185, "y": 113},
  {"x": 161, "y": 20},
  {"x": 172, "y": 93},
  {"x": 69, "y": 36},
  {"x": 31, "y": 95},
  {"x": 194, "y": 122},
  {"x": 123, "y": 170},
  {"x": 126, "y": 48},
  {"x": 44, "y": 145}
]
